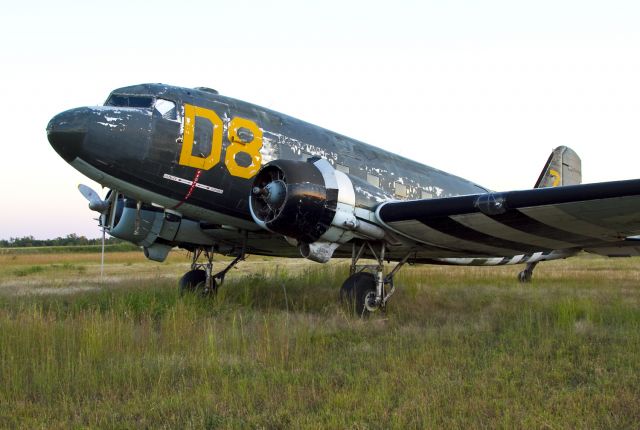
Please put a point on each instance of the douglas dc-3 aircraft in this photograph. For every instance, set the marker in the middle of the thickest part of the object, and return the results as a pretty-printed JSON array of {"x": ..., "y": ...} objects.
[{"x": 195, "y": 169}]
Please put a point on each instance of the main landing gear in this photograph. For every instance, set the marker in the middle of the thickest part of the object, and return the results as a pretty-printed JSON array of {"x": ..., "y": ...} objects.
[
  {"x": 367, "y": 289},
  {"x": 526, "y": 275},
  {"x": 201, "y": 279}
]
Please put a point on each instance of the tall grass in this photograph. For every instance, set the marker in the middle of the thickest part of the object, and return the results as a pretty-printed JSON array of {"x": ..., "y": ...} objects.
[{"x": 457, "y": 348}]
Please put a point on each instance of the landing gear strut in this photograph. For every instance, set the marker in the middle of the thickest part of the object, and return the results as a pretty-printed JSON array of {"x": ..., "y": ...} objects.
[
  {"x": 367, "y": 289},
  {"x": 201, "y": 278},
  {"x": 526, "y": 275}
]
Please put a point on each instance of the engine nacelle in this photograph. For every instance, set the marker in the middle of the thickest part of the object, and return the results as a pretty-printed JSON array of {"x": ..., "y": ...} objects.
[
  {"x": 310, "y": 202},
  {"x": 151, "y": 227}
]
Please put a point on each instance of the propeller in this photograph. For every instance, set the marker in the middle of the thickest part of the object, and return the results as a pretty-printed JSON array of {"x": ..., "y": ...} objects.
[
  {"x": 98, "y": 205},
  {"x": 95, "y": 202}
]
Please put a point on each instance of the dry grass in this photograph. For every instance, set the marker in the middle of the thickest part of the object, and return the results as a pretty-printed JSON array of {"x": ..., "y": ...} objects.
[{"x": 459, "y": 347}]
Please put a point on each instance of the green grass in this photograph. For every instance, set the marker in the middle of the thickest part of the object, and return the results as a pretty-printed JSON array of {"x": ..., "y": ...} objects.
[
  {"x": 30, "y": 270},
  {"x": 458, "y": 348}
]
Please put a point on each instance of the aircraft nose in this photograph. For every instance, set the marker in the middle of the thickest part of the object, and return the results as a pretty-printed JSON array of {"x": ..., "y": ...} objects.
[{"x": 67, "y": 131}]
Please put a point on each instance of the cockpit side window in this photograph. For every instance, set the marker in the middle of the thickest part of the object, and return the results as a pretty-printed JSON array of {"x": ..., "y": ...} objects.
[
  {"x": 134, "y": 101},
  {"x": 167, "y": 109}
]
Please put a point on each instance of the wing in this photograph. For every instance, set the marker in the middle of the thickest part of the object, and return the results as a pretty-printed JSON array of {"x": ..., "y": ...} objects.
[{"x": 520, "y": 222}]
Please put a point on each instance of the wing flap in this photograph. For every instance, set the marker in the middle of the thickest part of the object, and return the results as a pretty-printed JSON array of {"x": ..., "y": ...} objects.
[{"x": 517, "y": 222}]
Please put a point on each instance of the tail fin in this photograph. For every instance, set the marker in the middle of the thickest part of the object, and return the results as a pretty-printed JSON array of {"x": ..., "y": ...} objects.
[{"x": 563, "y": 168}]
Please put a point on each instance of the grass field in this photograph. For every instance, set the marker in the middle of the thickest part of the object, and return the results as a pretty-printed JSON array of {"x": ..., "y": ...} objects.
[{"x": 458, "y": 348}]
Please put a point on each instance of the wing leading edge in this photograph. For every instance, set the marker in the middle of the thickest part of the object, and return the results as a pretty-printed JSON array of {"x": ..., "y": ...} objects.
[{"x": 516, "y": 222}]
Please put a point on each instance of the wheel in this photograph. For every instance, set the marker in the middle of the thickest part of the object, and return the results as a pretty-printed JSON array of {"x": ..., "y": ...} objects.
[
  {"x": 201, "y": 288},
  {"x": 524, "y": 277},
  {"x": 192, "y": 281},
  {"x": 358, "y": 293}
]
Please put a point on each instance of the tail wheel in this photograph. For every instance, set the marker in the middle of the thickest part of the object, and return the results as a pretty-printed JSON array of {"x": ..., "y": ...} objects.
[
  {"x": 525, "y": 277},
  {"x": 358, "y": 293}
]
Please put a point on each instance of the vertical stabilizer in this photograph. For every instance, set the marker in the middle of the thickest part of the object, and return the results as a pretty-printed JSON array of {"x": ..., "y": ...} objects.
[{"x": 563, "y": 168}]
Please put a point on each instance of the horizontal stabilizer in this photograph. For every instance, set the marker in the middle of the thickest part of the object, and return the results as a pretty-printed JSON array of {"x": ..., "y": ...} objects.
[{"x": 627, "y": 248}]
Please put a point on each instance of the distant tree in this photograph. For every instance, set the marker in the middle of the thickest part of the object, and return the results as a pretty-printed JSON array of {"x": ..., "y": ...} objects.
[{"x": 71, "y": 239}]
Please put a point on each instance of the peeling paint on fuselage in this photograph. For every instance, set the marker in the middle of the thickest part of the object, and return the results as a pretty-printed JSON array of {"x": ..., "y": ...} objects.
[
  {"x": 284, "y": 137},
  {"x": 106, "y": 124}
]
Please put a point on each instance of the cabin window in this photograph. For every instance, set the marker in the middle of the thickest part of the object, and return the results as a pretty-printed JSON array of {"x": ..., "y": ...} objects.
[
  {"x": 166, "y": 108},
  {"x": 400, "y": 190},
  {"x": 373, "y": 180},
  {"x": 341, "y": 168},
  {"x": 425, "y": 194},
  {"x": 130, "y": 101}
]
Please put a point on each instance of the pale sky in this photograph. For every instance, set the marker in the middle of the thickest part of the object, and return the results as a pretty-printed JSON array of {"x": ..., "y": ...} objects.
[{"x": 481, "y": 89}]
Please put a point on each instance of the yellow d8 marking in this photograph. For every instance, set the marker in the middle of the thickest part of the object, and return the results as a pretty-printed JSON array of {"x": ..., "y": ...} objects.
[
  {"x": 252, "y": 148},
  {"x": 236, "y": 143},
  {"x": 186, "y": 156}
]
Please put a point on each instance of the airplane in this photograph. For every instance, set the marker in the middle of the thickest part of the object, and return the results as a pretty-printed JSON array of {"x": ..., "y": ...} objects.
[{"x": 191, "y": 168}]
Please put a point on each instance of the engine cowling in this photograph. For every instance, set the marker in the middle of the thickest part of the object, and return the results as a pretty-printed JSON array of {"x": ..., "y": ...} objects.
[
  {"x": 310, "y": 202},
  {"x": 153, "y": 228}
]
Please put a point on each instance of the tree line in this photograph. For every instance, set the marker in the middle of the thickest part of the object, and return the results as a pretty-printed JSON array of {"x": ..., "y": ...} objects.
[{"x": 69, "y": 240}]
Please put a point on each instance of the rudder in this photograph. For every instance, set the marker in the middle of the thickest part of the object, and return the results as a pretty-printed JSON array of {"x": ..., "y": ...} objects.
[{"x": 563, "y": 167}]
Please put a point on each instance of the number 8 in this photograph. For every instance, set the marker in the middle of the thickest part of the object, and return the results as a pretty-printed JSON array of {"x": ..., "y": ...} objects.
[{"x": 238, "y": 145}]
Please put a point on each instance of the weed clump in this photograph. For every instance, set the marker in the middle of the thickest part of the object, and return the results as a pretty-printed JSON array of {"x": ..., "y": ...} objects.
[{"x": 28, "y": 271}]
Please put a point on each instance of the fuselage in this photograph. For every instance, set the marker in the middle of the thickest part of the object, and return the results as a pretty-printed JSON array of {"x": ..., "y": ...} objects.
[{"x": 195, "y": 152}]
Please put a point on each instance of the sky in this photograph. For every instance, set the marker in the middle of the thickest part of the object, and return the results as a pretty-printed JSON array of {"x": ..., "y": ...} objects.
[{"x": 484, "y": 90}]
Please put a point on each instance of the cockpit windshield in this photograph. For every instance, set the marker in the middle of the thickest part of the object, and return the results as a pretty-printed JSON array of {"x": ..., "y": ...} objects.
[
  {"x": 134, "y": 101},
  {"x": 166, "y": 108}
]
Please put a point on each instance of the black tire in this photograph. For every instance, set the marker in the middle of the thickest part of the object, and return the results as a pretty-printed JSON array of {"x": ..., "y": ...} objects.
[
  {"x": 192, "y": 281},
  {"x": 355, "y": 290}
]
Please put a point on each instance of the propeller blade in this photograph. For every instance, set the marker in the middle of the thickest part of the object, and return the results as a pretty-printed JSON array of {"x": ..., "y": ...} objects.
[{"x": 95, "y": 202}]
